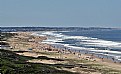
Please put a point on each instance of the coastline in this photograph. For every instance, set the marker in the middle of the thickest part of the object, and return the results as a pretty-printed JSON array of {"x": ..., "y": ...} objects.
[{"x": 32, "y": 44}]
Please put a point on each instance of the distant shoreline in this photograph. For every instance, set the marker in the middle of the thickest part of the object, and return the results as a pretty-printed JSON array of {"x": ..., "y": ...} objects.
[{"x": 30, "y": 29}]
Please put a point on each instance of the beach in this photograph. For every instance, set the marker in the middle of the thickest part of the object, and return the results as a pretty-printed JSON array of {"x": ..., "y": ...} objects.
[{"x": 26, "y": 44}]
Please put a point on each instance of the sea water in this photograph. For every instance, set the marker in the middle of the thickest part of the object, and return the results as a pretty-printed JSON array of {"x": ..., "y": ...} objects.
[{"x": 104, "y": 43}]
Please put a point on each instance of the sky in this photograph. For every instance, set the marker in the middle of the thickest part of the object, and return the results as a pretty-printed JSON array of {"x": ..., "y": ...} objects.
[{"x": 60, "y": 13}]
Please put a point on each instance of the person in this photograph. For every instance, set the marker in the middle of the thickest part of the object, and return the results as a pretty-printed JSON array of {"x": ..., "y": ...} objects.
[
  {"x": 102, "y": 59},
  {"x": 113, "y": 60},
  {"x": 79, "y": 55}
]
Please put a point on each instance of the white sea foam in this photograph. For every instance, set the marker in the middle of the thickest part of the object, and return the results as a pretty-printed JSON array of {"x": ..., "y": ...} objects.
[
  {"x": 87, "y": 41},
  {"x": 37, "y": 34},
  {"x": 106, "y": 51}
]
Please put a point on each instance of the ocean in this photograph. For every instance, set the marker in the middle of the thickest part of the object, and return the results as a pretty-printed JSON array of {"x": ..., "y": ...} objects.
[{"x": 104, "y": 43}]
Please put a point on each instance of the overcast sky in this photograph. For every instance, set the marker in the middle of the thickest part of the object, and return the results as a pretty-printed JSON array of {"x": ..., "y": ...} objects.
[{"x": 82, "y": 13}]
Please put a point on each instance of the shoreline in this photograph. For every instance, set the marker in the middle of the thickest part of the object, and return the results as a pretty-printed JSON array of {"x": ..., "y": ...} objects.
[
  {"x": 103, "y": 53},
  {"x": 38, "y": 47},
  {"x": 98, "y": 53}
]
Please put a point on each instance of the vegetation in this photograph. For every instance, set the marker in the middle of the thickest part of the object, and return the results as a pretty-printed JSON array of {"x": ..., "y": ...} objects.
[
  {"x": 72, "y": 61},
  {"x": 5, "y": 36},
  {"x": 12, "y": 63},
  {"x": 3, "y": 43},
  {"x": 48, "y": 53}
]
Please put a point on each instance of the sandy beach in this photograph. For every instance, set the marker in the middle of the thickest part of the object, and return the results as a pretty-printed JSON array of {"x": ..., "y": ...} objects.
[{"x": 30, "y": 45}]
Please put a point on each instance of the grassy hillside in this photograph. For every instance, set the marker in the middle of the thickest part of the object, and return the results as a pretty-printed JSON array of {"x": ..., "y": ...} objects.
[{"x": 12, "y": 63}]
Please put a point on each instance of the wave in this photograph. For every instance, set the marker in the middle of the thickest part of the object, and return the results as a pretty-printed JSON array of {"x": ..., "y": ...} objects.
[
  {"x": 59, "y": 39},
  {"x": 84, "y": 40}
]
